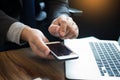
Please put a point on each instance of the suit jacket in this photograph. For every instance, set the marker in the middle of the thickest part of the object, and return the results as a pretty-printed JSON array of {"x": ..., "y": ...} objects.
[{"x": 10, "y": 11}]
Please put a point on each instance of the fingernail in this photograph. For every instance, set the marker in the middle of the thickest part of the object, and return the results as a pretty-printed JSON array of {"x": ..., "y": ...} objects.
[
  {"x": 47, "y": 52},
  {"x": 62, "y": 34}
]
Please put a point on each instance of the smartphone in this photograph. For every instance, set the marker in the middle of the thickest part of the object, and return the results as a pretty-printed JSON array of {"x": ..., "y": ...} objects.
[{"x": 60, "y": 51}]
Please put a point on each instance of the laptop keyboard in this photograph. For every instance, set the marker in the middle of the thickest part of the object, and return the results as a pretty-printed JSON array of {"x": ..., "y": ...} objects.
[{"x": 107, "y": 57}]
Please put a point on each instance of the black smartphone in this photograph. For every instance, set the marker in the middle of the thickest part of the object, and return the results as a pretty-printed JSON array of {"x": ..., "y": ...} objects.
[{"x": 60, "y": 51}]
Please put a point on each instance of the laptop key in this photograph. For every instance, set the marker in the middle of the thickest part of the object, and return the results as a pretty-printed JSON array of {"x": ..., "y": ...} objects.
[{"x": 108, "y": 56}]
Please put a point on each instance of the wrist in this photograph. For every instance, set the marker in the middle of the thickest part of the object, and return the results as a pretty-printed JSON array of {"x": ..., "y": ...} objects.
[{"x": 25, "y": 33}]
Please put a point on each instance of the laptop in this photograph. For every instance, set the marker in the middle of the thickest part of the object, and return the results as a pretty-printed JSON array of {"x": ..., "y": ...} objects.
[{"x": 98, "y": 59}]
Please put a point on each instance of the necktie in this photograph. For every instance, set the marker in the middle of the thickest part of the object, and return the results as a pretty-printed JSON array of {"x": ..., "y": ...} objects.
[{"x": 28, "y": 13}]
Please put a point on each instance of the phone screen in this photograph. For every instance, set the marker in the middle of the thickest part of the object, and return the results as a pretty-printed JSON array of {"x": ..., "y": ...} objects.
[{"x": 59, "y": 49}]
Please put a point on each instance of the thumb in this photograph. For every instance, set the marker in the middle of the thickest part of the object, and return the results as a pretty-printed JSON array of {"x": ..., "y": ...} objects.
[{"x": 54, "y": 30}]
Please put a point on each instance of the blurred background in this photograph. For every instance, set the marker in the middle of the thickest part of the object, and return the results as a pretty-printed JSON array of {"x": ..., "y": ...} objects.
[{"x": 100, "y": 18}]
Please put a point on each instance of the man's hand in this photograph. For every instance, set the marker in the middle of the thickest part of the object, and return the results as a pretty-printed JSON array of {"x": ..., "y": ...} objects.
[
  {"x": 36, "y": 40},
  {"x": 64, "y": 27}
]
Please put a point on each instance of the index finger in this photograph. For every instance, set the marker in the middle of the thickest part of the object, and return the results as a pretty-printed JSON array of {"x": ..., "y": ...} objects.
[{"x": 63, "y": 26}]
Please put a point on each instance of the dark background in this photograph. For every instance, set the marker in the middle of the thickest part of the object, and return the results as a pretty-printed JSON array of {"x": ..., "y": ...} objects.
[{"x": 100, "y": 18}]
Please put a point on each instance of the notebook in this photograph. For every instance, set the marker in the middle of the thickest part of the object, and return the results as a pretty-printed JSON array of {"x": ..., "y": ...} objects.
[{"x": 98, "y": 60}]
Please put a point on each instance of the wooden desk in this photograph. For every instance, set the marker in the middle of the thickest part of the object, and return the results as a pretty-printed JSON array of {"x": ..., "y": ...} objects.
[{"x": 22, "y": 64}]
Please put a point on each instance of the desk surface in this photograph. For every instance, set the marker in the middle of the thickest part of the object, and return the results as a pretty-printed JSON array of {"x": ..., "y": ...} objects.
[{"x": 22, "y": 64}]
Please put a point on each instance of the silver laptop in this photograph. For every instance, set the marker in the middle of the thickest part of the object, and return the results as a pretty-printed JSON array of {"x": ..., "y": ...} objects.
[{"x": 98, "y": 60}]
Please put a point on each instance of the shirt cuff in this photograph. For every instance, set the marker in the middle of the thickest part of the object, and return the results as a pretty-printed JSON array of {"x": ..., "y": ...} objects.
[{"x": 14, "y": 32}]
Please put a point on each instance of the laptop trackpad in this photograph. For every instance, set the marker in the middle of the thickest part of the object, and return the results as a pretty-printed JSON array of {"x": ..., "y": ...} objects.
[{"x": 85, "y": 66}]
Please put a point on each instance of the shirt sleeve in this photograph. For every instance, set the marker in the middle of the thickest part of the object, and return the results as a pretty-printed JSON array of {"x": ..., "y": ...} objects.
[{"x": 14, "y": 32}]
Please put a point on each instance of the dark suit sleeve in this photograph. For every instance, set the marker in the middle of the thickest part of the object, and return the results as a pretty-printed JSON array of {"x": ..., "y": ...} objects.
[
  {"x": 55, "y": 8},
  {"x": 5, "y": 22}
]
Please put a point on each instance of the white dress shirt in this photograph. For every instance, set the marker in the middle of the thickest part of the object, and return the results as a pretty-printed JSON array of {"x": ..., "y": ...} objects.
[{"x": 14, "y": 32}]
